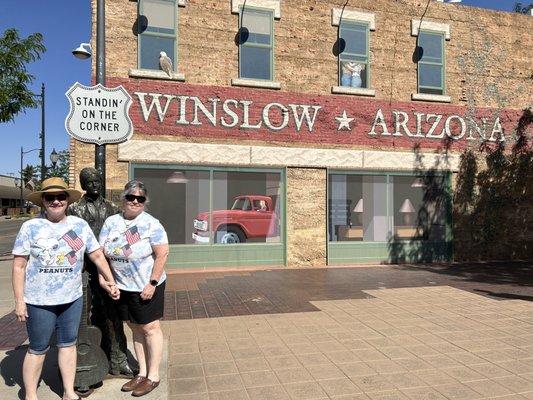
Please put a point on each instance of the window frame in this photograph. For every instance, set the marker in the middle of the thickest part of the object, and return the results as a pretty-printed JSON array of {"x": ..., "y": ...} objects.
[
  {"x": 271, "y": 13},
  {"x": 442, "y": 64},
  {"x": 366, "y": 24},
  {"x": 173, "y": 36}
]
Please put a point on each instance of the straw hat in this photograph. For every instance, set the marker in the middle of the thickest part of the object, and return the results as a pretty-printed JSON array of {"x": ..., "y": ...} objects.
[{"x": 53, "y": 185}]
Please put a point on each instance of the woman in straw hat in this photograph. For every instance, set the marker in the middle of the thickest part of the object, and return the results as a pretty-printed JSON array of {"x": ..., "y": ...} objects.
[{"x": 47, "y": 265}]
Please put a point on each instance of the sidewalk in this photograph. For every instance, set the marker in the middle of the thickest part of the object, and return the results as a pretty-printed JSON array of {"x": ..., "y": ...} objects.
[
  {"x": 50, "y": 387},
  {"x": 427, "y": 332}
]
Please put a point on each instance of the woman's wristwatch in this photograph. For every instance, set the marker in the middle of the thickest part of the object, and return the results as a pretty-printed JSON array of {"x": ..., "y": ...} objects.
[{"x": 154, "y": 282}]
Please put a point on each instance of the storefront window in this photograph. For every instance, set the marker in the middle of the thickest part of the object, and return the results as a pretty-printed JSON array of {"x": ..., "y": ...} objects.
[
  {"x": 246, "y": 207},
  {"x": 419, "y": 207},
  {"x": 177, "y": 197},
  {"x": 374, "y": 208},
  {"x": 357, "y": 208},
  {"x": 209, "y": 206}
]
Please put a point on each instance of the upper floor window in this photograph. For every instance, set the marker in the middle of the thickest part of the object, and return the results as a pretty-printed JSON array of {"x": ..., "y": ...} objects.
[
  {"x": 157, "y": 32},
  {"x": 431, "y": 63},
  {"x": 256, "y": 43},
  {"x": 353, "y": 54}
]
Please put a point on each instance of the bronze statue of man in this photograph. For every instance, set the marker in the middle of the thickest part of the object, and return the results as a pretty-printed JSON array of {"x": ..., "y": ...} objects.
[{"x": 95, "y": 209}]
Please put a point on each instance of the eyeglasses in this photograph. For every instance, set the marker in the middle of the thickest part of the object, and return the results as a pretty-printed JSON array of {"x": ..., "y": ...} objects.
[
  {"x": 52, "y": 197},
  {"x": 132, "y": 197}
]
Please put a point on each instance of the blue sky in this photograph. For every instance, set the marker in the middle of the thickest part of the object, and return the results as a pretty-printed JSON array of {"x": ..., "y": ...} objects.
[{"x": 64, "y": 24}]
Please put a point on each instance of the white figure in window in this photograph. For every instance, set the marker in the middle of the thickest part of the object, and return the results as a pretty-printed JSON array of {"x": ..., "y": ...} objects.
[
  {"x": 165, "y": 63},
  {"x": 351, "y": 74}
]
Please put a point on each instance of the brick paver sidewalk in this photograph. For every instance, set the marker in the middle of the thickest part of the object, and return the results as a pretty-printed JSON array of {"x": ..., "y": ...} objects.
[{"x": 409, "y": 343}]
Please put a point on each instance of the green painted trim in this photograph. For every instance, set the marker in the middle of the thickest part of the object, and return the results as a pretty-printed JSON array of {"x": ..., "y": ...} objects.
[
  {"x": 378, "y": 252},
  {"x": 270, "y": 12},
  {"x": 239, "y": 255},
  {"x": 164, "y": 35}
]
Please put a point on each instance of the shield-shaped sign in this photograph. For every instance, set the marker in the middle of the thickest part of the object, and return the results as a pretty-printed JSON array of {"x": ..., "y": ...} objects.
[{"x": 99, "y": 114}]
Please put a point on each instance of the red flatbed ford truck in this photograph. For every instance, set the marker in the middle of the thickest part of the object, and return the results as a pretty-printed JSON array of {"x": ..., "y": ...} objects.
[{"x": 250, "y": 217}]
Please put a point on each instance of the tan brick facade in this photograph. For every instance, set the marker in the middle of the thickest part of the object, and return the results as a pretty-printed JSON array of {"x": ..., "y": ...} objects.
[{"x": 488, "y": 62}]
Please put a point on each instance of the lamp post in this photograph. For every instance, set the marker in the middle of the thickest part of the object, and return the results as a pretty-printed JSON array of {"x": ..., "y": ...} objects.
[
  {"x": 42, "y": 134},
  {"x": 22, "y": 152},
  {"x": 83, "y": 52}
]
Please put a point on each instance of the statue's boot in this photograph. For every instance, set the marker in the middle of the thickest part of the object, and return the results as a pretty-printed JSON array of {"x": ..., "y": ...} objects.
[{"x": 122, "y": 369}]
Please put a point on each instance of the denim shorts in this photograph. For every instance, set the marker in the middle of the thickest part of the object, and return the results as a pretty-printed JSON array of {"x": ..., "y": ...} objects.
[{"x": 42, "y": 321}]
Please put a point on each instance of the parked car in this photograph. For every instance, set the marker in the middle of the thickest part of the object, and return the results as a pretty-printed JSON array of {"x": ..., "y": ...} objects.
[{"x": 251, "y": 216}]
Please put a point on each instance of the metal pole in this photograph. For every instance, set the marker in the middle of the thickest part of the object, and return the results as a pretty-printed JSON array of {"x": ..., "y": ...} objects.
[
  {"x": 43, "y": 149},
  {"x": 21, "y": 180},
  {"x": 99, "y": 151}
]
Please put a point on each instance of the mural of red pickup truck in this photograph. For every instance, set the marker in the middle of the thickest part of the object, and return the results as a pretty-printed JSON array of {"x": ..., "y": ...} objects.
[{"x": 250, "y": 217}]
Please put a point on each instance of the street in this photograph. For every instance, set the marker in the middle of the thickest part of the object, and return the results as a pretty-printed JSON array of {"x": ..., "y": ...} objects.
[{"x": 8, "y": 232}]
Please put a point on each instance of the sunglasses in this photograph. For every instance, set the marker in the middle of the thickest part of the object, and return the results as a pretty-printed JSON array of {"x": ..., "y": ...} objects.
[
  {"x": 52, "y": 197},
  {"x": 132, "y": 197}
]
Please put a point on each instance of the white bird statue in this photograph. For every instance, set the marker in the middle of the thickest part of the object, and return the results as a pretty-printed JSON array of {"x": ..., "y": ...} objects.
[{"x": 165, "y": 63}]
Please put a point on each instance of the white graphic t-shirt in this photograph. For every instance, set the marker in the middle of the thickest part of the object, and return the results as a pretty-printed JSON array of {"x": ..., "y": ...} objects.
[
  {"x": 55, "y": 263},
  {"x": 128, "y": 245}
]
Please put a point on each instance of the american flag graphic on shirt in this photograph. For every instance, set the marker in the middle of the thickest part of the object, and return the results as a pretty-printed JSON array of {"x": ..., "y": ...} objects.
[
  {"x": 71, "y": 257},
  {"x": 127, "y": 250},
  {"x": 132, "y": 235},
  {"x": 73, "y": 240}
]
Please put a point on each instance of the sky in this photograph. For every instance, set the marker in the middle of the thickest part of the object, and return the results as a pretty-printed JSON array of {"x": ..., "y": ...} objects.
[{"x": 64, "y": 25}]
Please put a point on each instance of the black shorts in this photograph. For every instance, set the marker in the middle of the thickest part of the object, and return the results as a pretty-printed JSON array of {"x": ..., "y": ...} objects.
[{"x": 134, "y": 309}]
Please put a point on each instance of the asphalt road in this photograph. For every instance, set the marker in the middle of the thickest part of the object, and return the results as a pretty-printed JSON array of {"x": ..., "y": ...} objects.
[{"x": 8, "y": 232}]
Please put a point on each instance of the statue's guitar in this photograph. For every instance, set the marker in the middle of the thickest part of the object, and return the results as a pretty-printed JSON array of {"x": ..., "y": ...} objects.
[{"x": 92, "y": 365}]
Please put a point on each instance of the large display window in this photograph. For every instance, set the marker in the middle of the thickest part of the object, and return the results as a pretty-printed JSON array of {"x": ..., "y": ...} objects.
[
  {"x": 217, "y": 216},
  {"x": 376, "y": 208}
]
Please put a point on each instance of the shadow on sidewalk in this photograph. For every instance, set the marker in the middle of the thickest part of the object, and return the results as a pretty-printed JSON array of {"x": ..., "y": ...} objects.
[
  {"x": 515, "y": 273},
  {"x": 11, "y": 371}
]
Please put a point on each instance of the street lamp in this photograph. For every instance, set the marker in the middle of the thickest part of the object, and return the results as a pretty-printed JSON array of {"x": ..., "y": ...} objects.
[
  {"x": 22, "y": 152},
  {"x": 54, "y": 157}
]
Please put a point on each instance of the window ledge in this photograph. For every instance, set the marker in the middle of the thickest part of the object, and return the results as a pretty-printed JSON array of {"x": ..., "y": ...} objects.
[
  {"x": 153, "y": 74},
  {"x": 431, "y": 97},
  {"x": 353, "y": 91},
  {"x": 257, "y": 83}
]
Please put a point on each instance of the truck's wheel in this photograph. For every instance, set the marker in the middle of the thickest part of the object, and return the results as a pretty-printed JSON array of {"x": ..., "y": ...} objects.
[{"x": 230, "y": 236}]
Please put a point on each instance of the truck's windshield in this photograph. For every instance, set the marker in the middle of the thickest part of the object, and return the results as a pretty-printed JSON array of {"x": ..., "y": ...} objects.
[{"x": 242, "y": 204}]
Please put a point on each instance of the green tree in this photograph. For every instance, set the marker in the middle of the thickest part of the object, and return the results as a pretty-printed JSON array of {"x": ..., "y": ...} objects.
[
  {"x": 61, "y": 169},
  {"x": 28, "y": 173},
  {"x": 15, "y": 53},
  {"x": 520, "y": 8}
]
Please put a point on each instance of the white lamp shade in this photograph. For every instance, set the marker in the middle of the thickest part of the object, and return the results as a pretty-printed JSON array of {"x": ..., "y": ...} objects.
[
  {"x": 407, "y": 207},
  {"x": 418, "y": 182},
  {"x": 177, "y": 177},
  {"x": 359, "y": 206}
]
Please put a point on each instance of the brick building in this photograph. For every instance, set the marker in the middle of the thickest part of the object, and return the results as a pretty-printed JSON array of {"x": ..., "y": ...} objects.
[{"x": 331, "y": 129}]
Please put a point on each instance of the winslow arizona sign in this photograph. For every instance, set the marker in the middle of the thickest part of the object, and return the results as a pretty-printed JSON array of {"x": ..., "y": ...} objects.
[
  {"x": 98, "y": 114},
  {"x": 229, "y": 112}
]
